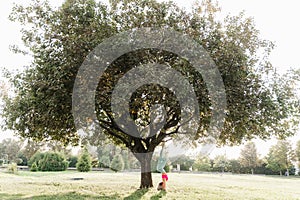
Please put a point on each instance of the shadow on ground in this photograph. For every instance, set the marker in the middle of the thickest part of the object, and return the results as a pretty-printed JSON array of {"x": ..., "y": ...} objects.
[
  {"x": 159, "y": 195},
  {"x": 66, "y": 196},
  {"x": 138, "y": 194}
]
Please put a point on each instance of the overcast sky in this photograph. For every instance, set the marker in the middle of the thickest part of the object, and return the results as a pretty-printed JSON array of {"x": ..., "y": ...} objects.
[{"x": 277, "y": 21}]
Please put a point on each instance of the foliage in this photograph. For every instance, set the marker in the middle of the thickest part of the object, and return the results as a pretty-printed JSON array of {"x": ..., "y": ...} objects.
[
  {"x": 95, "y": 162},
  {"x": 52, "y": 161},
  {"x": 221, "y": 163},
  {"x": 235, "y": 166},
  {"x": 22, "y": 158},
  {"x": 31, "y": 147},
  {"x": 9, "y": 149},
  {"x": 297, "y": 152},
  {"x": 72, "y": 161},
  {"x": 104, "y": 162},
  {"x": 248, "y": 156},
  {"x": 12, "y": 168},
  {"x": 202, "y": 164},
  {"x": 84, "y": 163},
  {"x": 60, "y": 39},
  {"x": 34, "y": 167},
  {"x": 184, "y": 161},
  {"x": 48, "y": 161},
  {"x": 36, "y": 158},
  {"x": 280, "y": 156},
  {"x": 167, "y": 168},
  {"x": 117, "y": 163}
]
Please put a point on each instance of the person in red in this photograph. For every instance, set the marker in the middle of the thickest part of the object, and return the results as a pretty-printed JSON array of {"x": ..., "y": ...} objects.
[{"x": 161, "y": 163}]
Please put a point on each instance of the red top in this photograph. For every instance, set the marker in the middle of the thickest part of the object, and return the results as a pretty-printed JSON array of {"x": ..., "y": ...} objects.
[{"x": 164, "y": 176}]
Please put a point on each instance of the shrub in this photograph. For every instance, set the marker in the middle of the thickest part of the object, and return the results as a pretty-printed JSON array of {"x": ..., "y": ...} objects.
[
  {"x": 52, "y": 162},
  {"x": 35, "y": 158},
  {"x": 21, "y": 157},
  {"x": 117, "y": 163},
  {"x": 72, "y": 161},
  {"x": 34, "y": 167},
  {"x": 12, "y": 168},
  {"x": 104, "y": 162},
  {"x": 48, "y": 161},
  {"x": 1, "y": 162},
  {"x": 167, "y": 168},
  {"x": 84, "y": 163}
]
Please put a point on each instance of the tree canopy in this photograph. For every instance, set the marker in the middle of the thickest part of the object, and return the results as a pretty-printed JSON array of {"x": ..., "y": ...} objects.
[
  {"x": 280, "y": 156},
  {"x": 60, "y": 39},
  {"x": 248, "y": 156}
]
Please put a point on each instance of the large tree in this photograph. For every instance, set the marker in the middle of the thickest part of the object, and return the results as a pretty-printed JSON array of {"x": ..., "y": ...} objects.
[
  {"x": 297, "y": 152},
  {"x": 9, "y": 149},
  {"x": 221, "y": 163},
  {"x": 60, "y": 39},
  {"x": 281, "y": 157},
  {"x": 248, "y": 156}
]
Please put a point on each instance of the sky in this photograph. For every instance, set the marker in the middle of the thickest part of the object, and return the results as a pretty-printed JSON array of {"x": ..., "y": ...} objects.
[{"x": 278, "y": 21}]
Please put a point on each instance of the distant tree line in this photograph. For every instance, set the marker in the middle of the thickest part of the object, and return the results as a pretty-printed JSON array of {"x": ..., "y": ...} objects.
[{"x": 282, "y": 159}]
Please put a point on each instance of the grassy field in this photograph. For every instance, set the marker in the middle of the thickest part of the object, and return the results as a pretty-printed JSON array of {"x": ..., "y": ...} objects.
[{"x": 103, "y": 185}]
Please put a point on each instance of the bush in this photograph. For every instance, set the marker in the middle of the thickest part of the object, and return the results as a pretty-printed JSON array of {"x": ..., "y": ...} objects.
[
  {"x": 72, "y": 161},
  {"x": 34, "y": 167},
  {"x": 52, "y": 162},
  {"x": 167, "y": 168},
  {"x": 104, "y": 162},
  {"x": 1, "y": 162},
  {"x": 12, "y": 168},
  {"x": 48, "y": 161},
  {"x": 22, "y": 158},
  {"x": 35, "y": 158},
  {"x": 84, "y": 163},
  {"x": 117, "y": 163}
]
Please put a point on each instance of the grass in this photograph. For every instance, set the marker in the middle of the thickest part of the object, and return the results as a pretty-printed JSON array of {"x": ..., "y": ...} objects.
[{"x": 103, "y": 185}]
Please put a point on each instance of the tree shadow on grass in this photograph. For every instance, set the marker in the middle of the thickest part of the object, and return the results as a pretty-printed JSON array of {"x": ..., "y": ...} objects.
[
  {"x": 138, "y": 194},
  {"x": 65, "y": 196},
  {"x": 5, "y": 196},
  {"x": 159, "y": 195}
]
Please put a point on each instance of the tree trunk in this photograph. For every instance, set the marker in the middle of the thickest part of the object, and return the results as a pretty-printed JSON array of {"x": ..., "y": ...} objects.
[
  {"x": 287, "y": 172},
  {"x": 146, "y": 176},
  {"x": 252, "y": 171},
  {"x": 280, "y": 173}
]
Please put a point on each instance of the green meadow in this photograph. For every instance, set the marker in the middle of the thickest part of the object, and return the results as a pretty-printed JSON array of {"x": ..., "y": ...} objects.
[{"x": 105, "y": 185}]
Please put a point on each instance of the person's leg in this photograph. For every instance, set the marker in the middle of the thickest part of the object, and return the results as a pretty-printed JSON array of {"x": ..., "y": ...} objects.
[{"x": 161, "y": 163}]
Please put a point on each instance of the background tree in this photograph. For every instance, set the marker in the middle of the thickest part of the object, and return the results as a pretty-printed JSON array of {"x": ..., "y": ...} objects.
[
  {"x": 72, "y": 161},
  {"x": 84, "y": 163},
  {"x": 60, "y": 39},
  {"x": 297, "y": 152},
  {"x": 280, "y": 157},
  {"x": 104, "y": 162},
  {"x": 184, "y": 161},
  {"x": 221, "y": 163},
  {"x": 248, "y": 156},
  {"x": 9, "y": 149},
  {"x": 117, "y": 163},
  {"x": 30, "y": 147},
  {"x": 235, "y": 166},
  {"x": 202, "y": 164}
]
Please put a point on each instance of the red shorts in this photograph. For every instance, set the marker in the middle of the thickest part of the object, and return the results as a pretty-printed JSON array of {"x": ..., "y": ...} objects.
[{"x": 164, "y": 176}]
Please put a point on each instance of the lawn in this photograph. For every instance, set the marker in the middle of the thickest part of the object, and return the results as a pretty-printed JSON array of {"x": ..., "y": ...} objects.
[{"x": 103, "y": 185}]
